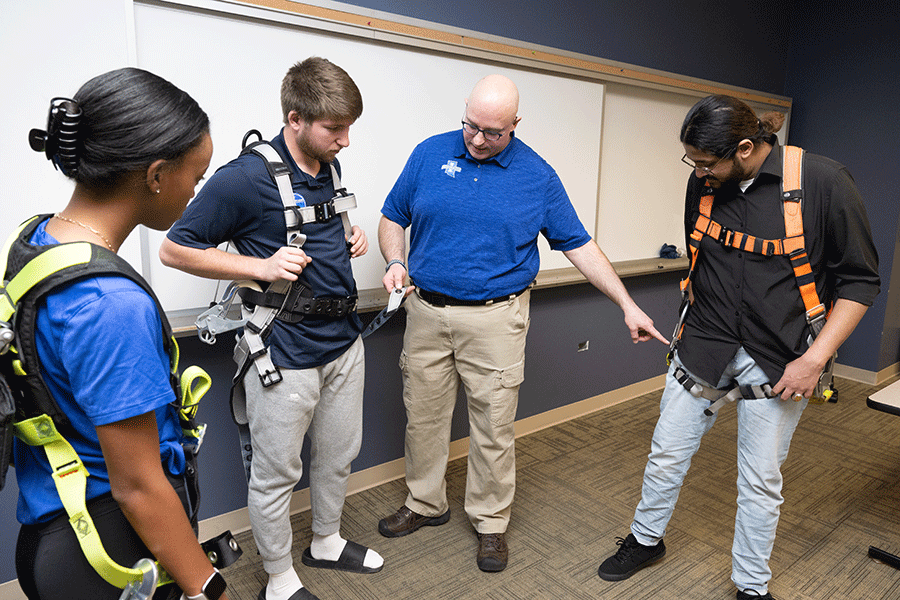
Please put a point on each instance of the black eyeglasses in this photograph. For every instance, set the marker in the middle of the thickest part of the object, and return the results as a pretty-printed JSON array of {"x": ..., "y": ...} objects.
[
  {"x": 704, "y": 170},
  {"x": 492, "y": 136}
]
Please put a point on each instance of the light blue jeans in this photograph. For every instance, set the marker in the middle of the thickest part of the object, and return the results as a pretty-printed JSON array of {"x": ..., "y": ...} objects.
[{"x": 765, "y": 428}]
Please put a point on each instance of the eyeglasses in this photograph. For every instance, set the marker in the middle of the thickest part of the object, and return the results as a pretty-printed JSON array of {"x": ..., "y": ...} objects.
[
  {"x": 704, "y": 170},
  {"x": 492, "y": 136}
]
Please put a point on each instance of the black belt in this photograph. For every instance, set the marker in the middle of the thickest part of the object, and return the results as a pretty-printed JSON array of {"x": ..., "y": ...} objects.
[{"x": 436, "y": 299}]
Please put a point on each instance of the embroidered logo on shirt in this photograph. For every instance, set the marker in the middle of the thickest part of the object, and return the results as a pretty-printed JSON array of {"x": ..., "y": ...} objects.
[
  {"x": 299, "y": 200},
  {"x": 451, "y": 168}
]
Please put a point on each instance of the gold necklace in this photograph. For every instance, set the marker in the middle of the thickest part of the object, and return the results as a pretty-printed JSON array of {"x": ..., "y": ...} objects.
[{"x": 88, "y": 227}]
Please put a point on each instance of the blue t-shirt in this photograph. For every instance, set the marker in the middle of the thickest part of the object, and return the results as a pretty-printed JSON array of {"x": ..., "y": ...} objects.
[
  {"x": 240, "y": 202},
  {"x": 475, "y": 224},
  {"x": 100, "y": 344}
]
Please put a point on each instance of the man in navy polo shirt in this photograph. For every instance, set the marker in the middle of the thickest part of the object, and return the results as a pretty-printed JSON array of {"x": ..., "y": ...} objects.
[
  {"x": 475, "y": 201},
  {"x": 320, "y": 358}
]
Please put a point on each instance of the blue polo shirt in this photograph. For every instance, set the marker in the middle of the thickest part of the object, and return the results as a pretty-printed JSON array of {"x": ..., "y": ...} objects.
[
  {"x": 474, "y": 224},
  {"x": 240, "y": 202}
]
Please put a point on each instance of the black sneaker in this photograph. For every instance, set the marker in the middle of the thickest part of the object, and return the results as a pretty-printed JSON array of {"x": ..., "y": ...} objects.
[
  {"x": 751, "y": 595},
  {"x": 630, "y": 558}
]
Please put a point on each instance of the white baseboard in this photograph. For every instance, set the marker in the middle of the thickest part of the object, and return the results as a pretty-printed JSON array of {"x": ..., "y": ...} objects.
[
  {"x": 239, "y": 521},
  {"x": 869, "y": 377}
]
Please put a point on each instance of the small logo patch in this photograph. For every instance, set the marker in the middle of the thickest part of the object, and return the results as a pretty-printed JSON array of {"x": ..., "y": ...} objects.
[{"x": 451, "y": 168}]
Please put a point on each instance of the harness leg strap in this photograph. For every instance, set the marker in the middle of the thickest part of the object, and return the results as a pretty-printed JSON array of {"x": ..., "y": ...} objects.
[{"x": 719, "y": 398}]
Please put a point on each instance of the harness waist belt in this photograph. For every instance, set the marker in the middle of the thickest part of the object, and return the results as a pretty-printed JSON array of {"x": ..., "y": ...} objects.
[
  {"x": 436, "y": 299},
  {"x": 327, "y": 306}
]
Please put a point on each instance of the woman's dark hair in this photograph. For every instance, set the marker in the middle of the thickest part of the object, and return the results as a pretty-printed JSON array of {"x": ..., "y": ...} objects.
[
  {"x": 118, "y": 123},
  {"x": 717, "y": 124}
]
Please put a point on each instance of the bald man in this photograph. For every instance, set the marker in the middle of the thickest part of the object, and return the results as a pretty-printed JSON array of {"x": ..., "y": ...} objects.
[{"x": 475, "y": 201}]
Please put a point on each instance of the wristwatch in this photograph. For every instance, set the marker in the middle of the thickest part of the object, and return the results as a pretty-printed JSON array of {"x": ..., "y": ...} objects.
[
  {"x": 212, "y": 589},
  {"x": 396, "y": 261}
]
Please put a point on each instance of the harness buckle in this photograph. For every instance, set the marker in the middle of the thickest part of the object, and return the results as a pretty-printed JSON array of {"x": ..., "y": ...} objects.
[
  {"x": 214, "y": 320},
  {"x": 725, "y": 236},
  {"x": 143, "y": 588},
  {"x": 792, "y": 195},
  {"x": 7, "y": 335},
  {"x": 816, "y": 317},
  {"x": 270, "y": 378},
  {"x": 324, "y": 211},
  {"x": 68, "y": 469}
]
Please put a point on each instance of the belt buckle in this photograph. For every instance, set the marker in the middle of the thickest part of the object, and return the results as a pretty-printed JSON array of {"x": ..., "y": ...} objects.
[{"x": 433, "y": 298}]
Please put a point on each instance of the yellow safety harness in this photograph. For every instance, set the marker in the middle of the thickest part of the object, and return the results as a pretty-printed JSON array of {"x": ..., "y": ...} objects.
[
  {"x": 793, "y": 245},
  {"x": 37, "y": 418}
]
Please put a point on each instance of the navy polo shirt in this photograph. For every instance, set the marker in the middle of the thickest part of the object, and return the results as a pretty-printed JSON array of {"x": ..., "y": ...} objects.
[
  {"x": 240, "y": 202},
  {"x": 474, "y": 224}
]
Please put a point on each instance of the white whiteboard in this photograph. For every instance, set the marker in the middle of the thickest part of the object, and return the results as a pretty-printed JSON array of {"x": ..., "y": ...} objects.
[
  {"x": 642, "y": 181},
  {"x": 233, "y": 66},
  {"x": 642, "y": 178}
]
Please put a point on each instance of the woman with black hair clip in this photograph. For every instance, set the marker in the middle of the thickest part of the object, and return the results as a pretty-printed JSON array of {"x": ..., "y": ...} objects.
[{"x": 136, "y": 147}]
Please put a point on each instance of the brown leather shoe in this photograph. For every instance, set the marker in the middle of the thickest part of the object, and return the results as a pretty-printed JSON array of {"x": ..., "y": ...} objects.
[
  {"x": 492, "y": 552},
  {"x": 404, "y": 521}
]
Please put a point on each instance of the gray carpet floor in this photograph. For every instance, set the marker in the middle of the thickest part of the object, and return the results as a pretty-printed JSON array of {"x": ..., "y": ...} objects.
[{"x": 578, "y": 484}]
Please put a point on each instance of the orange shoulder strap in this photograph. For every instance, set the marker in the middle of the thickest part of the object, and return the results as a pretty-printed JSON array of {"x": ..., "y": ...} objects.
[{"x": 794, "y": 242}]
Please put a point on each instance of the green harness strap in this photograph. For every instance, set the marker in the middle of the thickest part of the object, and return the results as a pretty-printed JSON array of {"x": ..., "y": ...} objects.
[
  {"x": 69, "y": 472},
  {"x": 70, "y": 477}
]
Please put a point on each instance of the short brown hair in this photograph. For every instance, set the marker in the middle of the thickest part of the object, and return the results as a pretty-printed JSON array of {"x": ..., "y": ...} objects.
[{"x": 319, "y": 89}]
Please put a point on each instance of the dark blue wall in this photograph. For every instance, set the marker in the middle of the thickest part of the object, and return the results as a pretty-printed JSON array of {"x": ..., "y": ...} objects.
[
  {"x": 738, "y": 43},
  {"x": 843, "y": 75}
]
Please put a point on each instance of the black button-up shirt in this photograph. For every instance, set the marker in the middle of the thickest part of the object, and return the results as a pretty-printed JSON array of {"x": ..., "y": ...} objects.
[{"x": 752, "y": 300}]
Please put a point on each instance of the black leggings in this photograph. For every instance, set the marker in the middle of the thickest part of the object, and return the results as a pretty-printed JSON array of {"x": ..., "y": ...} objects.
[{"x": 51, "y": 566}]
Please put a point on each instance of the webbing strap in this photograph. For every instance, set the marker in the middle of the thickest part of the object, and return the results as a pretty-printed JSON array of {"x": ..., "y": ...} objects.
[
  {"x": 251, "y": 345},
  {"x": 792, "y": 242},
  {"x": 47, "y": 268},
  {"x": 45, "y": 264},
  {"x": 719, "y": 397},
  {"x": 345, "y": 200},
  {"x": 70, "y": 477},
  {"x": 195, "y": 382},
  {"x": 281, "y": 176},
  {"x": 792, "y": 194}
]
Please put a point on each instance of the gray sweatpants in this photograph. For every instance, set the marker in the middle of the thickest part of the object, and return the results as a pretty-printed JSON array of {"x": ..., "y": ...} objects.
[{"x": 326, "y": 403}]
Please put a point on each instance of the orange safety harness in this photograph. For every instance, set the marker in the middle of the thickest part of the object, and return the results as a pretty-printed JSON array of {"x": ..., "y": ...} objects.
[{"x": 793, "y": 246}]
